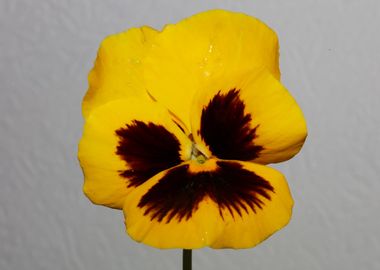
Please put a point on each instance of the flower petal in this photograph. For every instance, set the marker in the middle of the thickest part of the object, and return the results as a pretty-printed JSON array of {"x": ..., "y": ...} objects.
[
  {"x": 222, "y": 204},
  {"x": 117, "y": 70},
  {"x": 124, "y": 143},
  {"x": 248, "y": 117},
  {"x": 213, "y": 43}
]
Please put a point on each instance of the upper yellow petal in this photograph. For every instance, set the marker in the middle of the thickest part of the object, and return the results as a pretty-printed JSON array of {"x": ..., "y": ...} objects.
[
  {"x": 117, "y": 70},
  {"x": 210, "y": 44}
]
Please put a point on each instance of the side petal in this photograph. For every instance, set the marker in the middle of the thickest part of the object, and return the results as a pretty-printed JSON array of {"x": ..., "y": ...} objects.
[
  {"x": 221, "y": 204},
  {"x": 124, "y": 143},
  {"x": 213, "y": 43},
  {"x": 248, "y": 117},
  {"x": 117, "y": 69}
]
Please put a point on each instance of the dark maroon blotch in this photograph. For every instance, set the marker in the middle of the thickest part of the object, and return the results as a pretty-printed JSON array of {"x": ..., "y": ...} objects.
[
  {"x": 148, "y": 149},
  {"x": 179, "y": 192},
  {"x": 225, "y": 128}
]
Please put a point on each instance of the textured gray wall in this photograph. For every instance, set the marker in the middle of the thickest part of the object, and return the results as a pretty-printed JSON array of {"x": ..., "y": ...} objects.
[{"x": 330, "y": 60}]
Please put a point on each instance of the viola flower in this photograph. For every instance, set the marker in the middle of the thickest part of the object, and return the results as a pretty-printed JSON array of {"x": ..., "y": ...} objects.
[{"x": 179, "y": 127}]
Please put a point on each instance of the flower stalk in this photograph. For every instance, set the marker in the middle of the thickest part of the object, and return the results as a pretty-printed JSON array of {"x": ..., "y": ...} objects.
[{"x": 186, "y": 259}]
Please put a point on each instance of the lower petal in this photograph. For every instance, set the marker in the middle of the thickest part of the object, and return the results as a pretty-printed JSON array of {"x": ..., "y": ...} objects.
[{"x": 221, "y": 204}]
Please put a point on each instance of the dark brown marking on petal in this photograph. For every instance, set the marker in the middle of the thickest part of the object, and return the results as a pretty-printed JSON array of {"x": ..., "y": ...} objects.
[
  {"x": 179, "y": 126},
  {"x": 147, "y": 149},
  {"x": 179, "y": 192},
  {"x": 225, "y": 128}
]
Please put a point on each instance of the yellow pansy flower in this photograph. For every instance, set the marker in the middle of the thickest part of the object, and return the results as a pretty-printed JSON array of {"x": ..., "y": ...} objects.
[{"x": 179, "y": 126}]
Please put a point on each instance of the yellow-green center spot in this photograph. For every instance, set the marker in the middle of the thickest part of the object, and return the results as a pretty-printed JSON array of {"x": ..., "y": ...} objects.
[
  {"x": 197, "y": 155},
  {"x": 201, "y": 159}
]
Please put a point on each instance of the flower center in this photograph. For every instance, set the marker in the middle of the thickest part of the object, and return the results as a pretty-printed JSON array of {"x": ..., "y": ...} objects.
[{"x": 197, "y": 155}]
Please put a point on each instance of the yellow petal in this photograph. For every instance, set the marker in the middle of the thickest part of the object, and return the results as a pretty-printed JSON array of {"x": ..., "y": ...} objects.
[
  {"x": 124, "y": 143},
  {"x": 213, "y": 43},
  {"x": 221, "y": 204},
  {"x": 117, "y": 69},
  {"x": 248, "y": 117}
]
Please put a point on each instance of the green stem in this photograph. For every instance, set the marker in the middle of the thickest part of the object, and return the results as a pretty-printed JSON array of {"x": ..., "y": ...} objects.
[{"x": 186, "y": 259}]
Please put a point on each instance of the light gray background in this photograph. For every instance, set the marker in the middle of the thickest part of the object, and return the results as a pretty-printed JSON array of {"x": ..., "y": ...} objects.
[{"x": 330, "y": 60}]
